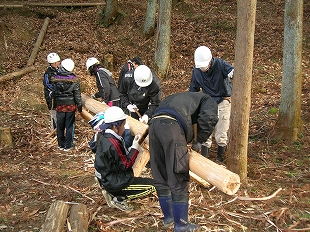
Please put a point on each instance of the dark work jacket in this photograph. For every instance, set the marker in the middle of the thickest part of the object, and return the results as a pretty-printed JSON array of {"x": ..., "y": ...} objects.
[
  {"x": 112, "y": 164},
  {"x": 189, "y": 108},
  {"x": 66, "y": 89},
  {"x": 48, "y": 86},
  {"x": 145, "y": 98},
  {"x": 127, "y": 70},
  {"x": 107, "y": 90},
  {"x": 215, "y": 81}
]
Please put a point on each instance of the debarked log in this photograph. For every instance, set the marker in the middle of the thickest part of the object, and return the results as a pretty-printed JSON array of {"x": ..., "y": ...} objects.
[{"x": 209, "y": 171}]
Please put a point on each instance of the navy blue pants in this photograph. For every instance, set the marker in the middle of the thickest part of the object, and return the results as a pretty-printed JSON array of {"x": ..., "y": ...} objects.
[{"x": 65, "y": 129}]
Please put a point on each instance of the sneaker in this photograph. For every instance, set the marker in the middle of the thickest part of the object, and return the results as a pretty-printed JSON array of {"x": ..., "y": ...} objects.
[
  {"x": 122, "y": 205},
  {"x": 61, "y": 148},
  {"x": 68, "y": 149},
  {"x": 107, "y": 197}
]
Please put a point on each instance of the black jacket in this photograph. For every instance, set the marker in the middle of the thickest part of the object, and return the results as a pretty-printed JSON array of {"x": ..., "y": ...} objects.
[
  {"x": 48, "y": 86},
  {"x": 189, "y": 108},
  {"x": 66, "y": 90},
  {"x": 113, "y": 166},
  {"x": 107, "y": 90},
  {"x": 145, "y": 98}
]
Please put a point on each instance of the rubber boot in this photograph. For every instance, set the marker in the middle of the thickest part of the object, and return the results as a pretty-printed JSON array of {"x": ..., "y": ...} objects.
[
  {"x": 180, "y": 213},
  {"x": 205, "y": 151},
  {"x": 166, "y": 207},
  {"x": 220, "y": 153}
]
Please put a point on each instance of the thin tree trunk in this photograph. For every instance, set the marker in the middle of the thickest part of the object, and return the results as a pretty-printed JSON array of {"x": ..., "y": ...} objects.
[
  {"x": 150, "y": 19},
  {"x": 241, "y": 99},
  {"x": 289, "y": 119},
  {"x": 162, "y": 49}
]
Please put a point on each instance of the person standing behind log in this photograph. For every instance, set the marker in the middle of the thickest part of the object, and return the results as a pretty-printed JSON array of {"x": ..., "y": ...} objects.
[
  {"x": 54, "y": 61},
  {"x": 113, "y": 163},
  {"x": 128, "y": 70},
  {"x": 67, "y": 97},
  {"x": 142, "y": 94},
  {"x": 107, "y": 90},
  {"x": 213, "y": 76},
  {"x": 171, "y": 129}
]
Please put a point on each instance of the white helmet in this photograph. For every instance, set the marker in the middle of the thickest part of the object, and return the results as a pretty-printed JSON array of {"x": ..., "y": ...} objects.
[
  {"x": 67, "y": 64},
  {"x": 91, "y": 61},
  {"x": 202, "y": 57},
  {"x": 52, "y": 58},
  {"x": 143, "y": 76},
  {"x": 114, "y": 114}
]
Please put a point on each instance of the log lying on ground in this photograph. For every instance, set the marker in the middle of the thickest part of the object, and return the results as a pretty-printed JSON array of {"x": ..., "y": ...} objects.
[
  {"x": 17, "y": 74},
  {"x": 52, "y": 4},
  {"x": 56, "y": 219},
  {"x": 225, "y": 180},
  {"x": 38, "y": 42}
]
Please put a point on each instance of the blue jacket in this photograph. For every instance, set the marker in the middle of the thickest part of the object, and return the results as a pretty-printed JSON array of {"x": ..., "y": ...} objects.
[{"x": 215, "y": 81}]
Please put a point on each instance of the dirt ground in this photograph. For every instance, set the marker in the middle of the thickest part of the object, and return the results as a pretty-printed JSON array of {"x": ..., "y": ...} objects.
[{"x": 34, "y": 173}]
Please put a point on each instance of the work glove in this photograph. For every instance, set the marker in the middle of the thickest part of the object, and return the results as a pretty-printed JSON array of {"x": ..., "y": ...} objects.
[
  {"x": 135, "y": 143},
  {"x": 144, "y": 119},
  {"x": 93, "y": 96},
  {"x": 196, "y": 146},
  {"x": 231, "y": 74},
  {"x": 131, "y": 107}
]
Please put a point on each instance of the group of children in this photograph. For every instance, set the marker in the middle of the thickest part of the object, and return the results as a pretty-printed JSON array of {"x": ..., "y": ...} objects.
[{"x": 171, "y": 127}]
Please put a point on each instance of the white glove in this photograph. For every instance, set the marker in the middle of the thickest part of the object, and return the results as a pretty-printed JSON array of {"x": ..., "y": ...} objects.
[
  {"x": 131, "y": 107},
  {"x": 93, "y": 96},
  {"x": 144, "y": 119},
  {"x": 126, "y": 126},
  {"x": 135, "y": 143},
  {"x": 231, "y": 74}
]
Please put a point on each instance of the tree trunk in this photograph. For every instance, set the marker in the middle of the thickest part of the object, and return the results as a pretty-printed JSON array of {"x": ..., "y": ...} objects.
[
  {"x": 289, "y": 120},
  {"x": 110, "y": 12},
  {"x": 162, "y": 49},
  {"x": 150, "y": 19},
  {"x": 5, "y": 137},
  {"x": 241, "y": 99}
]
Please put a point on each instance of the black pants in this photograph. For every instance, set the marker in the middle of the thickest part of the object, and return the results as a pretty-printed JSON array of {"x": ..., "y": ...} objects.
[
  {"x": 169, "y": 156},
  {"x": 65, "y": 129},
  {"x": 140, "y": 187}
]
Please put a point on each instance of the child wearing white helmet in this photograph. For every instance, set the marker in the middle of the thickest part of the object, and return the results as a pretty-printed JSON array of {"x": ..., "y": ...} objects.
[
  {"x": 54, "y": 62},
  {"x": 113, "y": 163}
]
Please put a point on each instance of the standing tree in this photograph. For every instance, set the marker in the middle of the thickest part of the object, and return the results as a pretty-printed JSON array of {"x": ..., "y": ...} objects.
[
  {"x": 289, "y": 119},
  {"x": 150, "y": 19},
  {"x": 110, "y": 12},
  {"x": 162, "y": 47},
  {"x": 241, "y": 99}
]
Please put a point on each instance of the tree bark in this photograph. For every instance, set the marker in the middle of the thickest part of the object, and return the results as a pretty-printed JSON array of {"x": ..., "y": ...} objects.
[
  {"x": 39, "y": 42},
  {"x": 110, "y": 12},
  {"x": 241, "y": 98},
  {"x": 150, "y": 19},
  {"x": 289, "y": 120},
  {"x": 17, "y": 74},
  {"x": 50, "y": 4},
  {"x": 79, "y": 217},
  {"x": 162, "y": 48}
]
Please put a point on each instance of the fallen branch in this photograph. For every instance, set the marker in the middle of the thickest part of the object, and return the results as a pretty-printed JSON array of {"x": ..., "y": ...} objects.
[
  {"x": 38, "y": 42},
  {"x": 17, "y": 74},
  {"x": 260, "y": 198},
  {"x": 57, "y": 185},
  {"x": 52, "y": 133}
]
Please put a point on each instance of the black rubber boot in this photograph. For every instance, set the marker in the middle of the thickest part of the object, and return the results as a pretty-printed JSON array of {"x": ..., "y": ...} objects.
[
  {"x": 205, "y": 151},
  {"x": 220, "y": 153},
  {"x": 167, "y": 209},
  {"x": 180, "y": 213}
]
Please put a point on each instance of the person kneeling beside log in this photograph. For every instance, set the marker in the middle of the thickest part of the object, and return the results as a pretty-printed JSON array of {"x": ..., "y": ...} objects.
[{"x": 113, "y": 163}]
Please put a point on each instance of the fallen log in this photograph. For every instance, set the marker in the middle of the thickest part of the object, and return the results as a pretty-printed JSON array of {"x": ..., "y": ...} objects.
[
  {"x": 66, "y": 216},
  {"x": 217, "y": 175},
  {"x": 38, "y": 43},
  {"x": 17, "y": 74},
  {"x": 52, "y": 4}
]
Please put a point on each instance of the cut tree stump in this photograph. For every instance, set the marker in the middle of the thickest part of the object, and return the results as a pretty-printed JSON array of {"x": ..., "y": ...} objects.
[
  {"x": 5, "y": 137},
  {"x": 204, "y": 169},
  {"x": 64, "y": 216},
  {"x": 108, "y": 62}
]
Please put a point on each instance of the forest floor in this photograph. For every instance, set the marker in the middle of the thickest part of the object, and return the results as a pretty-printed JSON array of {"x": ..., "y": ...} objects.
[{"x": 34, "y": 173}]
